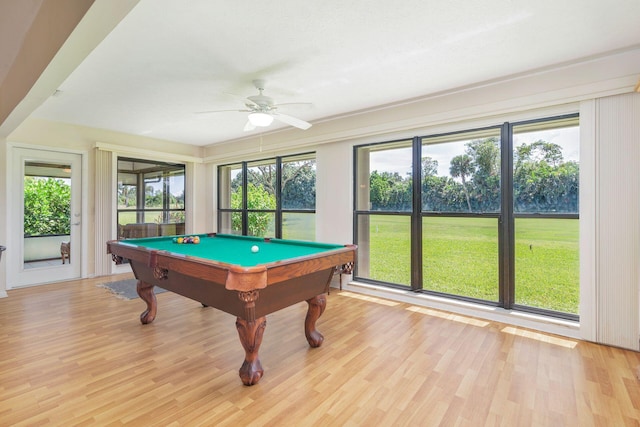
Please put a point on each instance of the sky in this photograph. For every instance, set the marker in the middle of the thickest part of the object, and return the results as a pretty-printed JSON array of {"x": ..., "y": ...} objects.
[{"x": 399, "y": 160}]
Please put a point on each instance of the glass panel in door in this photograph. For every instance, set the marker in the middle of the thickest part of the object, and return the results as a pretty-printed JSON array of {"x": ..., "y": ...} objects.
[{"x": 47, "y": 214}]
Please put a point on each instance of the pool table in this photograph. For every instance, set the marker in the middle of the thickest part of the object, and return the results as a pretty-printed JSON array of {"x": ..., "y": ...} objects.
[{"x": 223, "y": 271}]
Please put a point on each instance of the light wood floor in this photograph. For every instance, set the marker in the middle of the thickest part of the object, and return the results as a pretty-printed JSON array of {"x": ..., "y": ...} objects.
[{"x": 73, "y": 354}]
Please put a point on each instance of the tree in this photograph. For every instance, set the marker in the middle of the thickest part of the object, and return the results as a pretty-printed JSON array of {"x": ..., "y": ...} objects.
[
  {"x": 379, "y": 190},
  {"x": 539, "y": 151},
  {"x": 126, "y": 195},
  {"x": 486, "y": 175},
  {"x": 442, "y": 194},
  {"x": 299, "y": 185},
  {"x": 47, "y": 206},
  {"x": 298, "y": 182},
  {"x": 257, "y": 199},
  {"x": 543, "y": 181},
  {"x": 429, "y": 167},
  {"x": 461, "y": 167},
  {"x": 389, "y": 191},
  {"x": 298, "y": 191}
]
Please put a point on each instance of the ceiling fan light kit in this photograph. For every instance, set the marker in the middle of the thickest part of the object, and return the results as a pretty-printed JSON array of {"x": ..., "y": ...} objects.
[{"x": 260, "y": 119}]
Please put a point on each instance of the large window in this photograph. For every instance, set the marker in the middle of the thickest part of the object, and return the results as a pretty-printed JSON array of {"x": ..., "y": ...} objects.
[
  {"x": 545, "y": 190},
  {"x": 150, "y": 198},
  {"x": 490, "y": 215},
  {"x": 272, "y": 197},
  {"x": 383, "y": 209},
  {"x": 461, "y": 197}
]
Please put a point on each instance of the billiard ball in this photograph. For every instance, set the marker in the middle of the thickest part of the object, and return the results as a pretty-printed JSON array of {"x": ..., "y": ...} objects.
[{"x": 254, "y": 248}]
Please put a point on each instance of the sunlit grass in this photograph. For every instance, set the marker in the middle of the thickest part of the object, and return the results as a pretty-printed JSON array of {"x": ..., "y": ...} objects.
[
  {"x": 460, "y": 256},
  {"x": 547, "y": 263}
]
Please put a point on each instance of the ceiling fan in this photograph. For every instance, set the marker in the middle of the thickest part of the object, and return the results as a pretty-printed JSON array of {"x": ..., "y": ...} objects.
[{"x": 263, "y": 110}]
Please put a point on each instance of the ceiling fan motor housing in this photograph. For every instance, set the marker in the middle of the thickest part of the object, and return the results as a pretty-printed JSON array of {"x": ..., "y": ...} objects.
[{"x": 261, "y": 100}]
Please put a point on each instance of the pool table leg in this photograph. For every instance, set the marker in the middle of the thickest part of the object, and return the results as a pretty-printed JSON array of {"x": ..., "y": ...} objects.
[
  {"x": 317, "y": 305},
  {"x": 145, "y": 291},
  {"x": 250, "y": 333}
]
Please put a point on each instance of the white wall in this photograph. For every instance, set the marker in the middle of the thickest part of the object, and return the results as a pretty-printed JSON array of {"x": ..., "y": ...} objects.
[{"x": 334, "y": 193}]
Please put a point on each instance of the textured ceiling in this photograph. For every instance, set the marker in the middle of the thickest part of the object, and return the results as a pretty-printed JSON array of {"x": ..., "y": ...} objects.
[{"x": 167, "y": 60}]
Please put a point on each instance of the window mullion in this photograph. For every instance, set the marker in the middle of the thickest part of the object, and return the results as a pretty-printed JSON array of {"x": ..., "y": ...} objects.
[
  {"x": 416, "y": 217},
  {"x": 506, "y": 231},
  {"x": 245, "y": 194},
  {"x": 278, "y": 190}
]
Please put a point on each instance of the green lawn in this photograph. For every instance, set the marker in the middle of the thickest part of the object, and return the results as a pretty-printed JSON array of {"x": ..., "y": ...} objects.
[
  {"x": 299, "y": 226},
  {"x": 547, "y": 263},
  {"x": 131, "y": 217},
  {"x": 460, "y": 256}
]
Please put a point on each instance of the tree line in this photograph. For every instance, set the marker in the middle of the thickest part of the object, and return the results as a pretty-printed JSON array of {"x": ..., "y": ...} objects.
[
  {"x": 543, "y": 181},
  {"x": 297, "y": 191}
]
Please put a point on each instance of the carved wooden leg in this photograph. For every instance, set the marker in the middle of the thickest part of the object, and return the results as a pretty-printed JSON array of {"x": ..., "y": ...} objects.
[
  {"x": 250, "y": 333},
  {"x": 145, "y": 291},
  {"x": 317, "y": 305}
]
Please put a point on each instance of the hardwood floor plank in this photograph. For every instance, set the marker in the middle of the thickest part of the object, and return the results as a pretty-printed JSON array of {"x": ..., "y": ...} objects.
[{"x": 72, "y": 353}]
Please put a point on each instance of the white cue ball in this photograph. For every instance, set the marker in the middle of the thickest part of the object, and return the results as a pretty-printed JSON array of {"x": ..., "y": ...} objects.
[{"x": 254, "y": 248}]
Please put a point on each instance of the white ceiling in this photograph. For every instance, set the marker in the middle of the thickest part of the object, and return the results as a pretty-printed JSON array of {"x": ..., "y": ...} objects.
[{"x": 168, "y": 59}]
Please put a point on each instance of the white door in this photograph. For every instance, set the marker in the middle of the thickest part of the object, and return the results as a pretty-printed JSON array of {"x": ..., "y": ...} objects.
[{"x": 45, "y": 217}]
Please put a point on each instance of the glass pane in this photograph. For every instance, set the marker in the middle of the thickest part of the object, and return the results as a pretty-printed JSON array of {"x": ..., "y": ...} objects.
[
  {"x": 384, "y": 177},
  {"x": 299, "y": 183},
  {"x": 461, "y": 172},
  {"x": 546, "y": 167},
  {"x": 460, "y": 256},
  {"x": 230, "y": 223},
  {"x": 261, "y": 175},
  {"x": 262, "y": 224},
  {"x": 151, "y": 196},
  {"x": 171, "y": 229},
  {"x": 47, "y": 214},
  {"x": 299, "y": 226},
  {"x": 152, "y": 190},
  {"x": 261, "y": 182},
  {"x": 154, "y": 217},
  {"x": 127, "y": 191},
  {"x": 230, "y": 186},
  {"x": 384, "y": 248},
  {"x": 547, "y": 271},
  {"x": 127, "y": 217},
  {"x": 174, "y": 188}
]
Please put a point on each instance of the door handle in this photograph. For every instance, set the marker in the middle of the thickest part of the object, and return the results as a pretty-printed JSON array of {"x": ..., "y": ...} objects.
[{"x": 76, "y": 223}]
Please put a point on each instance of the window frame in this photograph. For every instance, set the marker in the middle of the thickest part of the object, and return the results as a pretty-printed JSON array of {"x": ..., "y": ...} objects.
[
  {"x": 141, "y": 209},
  {"x": 505, "y": 217},
  {"x": 244, "y": 211}
]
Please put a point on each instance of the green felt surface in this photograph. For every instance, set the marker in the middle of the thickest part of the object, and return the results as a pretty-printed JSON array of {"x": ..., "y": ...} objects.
[{"x": 232, "y": 249}]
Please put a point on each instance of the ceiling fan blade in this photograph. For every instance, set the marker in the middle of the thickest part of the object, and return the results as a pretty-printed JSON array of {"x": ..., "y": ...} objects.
[
  {"x": 306, "y": 104},
  {"x": 250, "y": 104},
  {"x": 300, "y": 124},
  {"x": 222, "y": 111},
  {"x": 249, "y": 126}
]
